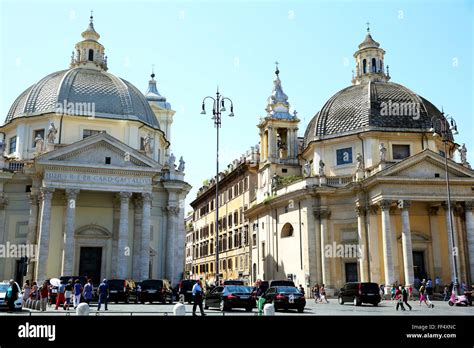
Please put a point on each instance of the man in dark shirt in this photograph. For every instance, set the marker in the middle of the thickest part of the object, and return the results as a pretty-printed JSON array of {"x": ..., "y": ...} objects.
[{"x": 12, "y": 295}]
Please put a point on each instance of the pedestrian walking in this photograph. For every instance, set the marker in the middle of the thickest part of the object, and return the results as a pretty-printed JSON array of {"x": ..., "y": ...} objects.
[
  {"x": 68, "y": 294},
  {"x": 77, "y": 293},
  {"x": 423, "y": 297},
  {"x": 34, "y": 291},
  {"x": 322, "y": 294},
  {"x": 437, "y": 284},
  {"x": 405, "y": 297},
  {"x": 103, "y": 292},
  {"x": 12, "y": 295},
  {"x": 410, "y": 292},
  {"x": 260, "y": 291},
  {"x": 399, "y": 298},
  {"x": 87, "y": 293},
  {"x": 43, "y": 293},
  {"x": 429, "y": 289},
  {"x": 26, "y": 291},
  {"x": 197, "y": 297},
  {"x": 317, "y": 294},
  {"x": 60, "y": 296},
  {"x": 393, "y": 292},
  {"x": 446, "y": 294},
  {"x": 382, "y": 292},
  {"x": 301, "y": 289}
]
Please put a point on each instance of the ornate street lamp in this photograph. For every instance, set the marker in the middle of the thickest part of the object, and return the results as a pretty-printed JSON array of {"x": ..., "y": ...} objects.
[
  {"x": 217, "y": 108},
  {"x": 442, "y": 126}
]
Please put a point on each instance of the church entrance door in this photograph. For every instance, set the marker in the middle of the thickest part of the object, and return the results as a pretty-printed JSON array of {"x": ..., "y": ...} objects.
[{"x": 90, "y": 263}]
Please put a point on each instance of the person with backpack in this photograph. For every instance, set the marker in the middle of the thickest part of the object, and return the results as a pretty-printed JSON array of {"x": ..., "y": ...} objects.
[
  {"x": 11, "y": 295},
  {"x": 399, "y": 298},
  {"x": 405, "y": 297}
]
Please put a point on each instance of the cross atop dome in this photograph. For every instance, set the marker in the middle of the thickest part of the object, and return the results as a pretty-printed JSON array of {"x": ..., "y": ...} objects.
[{"x": 89, "y": 52}]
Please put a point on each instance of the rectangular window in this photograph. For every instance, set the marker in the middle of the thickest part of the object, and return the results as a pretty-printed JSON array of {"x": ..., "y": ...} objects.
[
  {"x": 12, "y": 145},
  {"x": 236, "y": 218},
  {"x": 229, "y": 219},
  {"x": 263, "y": 251},
  {"x": 344, "y": 156},
  {"x": 230, "y": 193},
  {"x": 108, "y": 160},
  {"x": 246, "y": 183},
  {"x": 400, "y": 151},
  {"x": 36, "y": 133},
  {"x": 88, "y": 132},
  {"x": 254, "y": 240}
]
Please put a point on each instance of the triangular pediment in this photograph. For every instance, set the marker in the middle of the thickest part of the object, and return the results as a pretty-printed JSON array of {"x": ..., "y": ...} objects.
[
  {"x": 426, "y": 164},
  {"x": 99, "y": 150}
]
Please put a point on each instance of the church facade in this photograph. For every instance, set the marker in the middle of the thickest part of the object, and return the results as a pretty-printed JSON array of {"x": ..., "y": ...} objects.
[
  {"x": 362, "y": 197},
  {"x": 88, "y": 179}
]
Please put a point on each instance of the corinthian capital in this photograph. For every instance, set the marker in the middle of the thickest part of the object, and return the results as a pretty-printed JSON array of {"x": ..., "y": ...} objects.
[
  {"x": 469, "y": 205},
  {"x": 403, "y": 204},
  {"x": 385, "y": 204}
]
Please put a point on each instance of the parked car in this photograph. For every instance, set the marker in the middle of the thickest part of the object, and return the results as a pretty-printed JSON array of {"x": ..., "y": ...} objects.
[
  {"x": 233, "y": 282},
  {"x": 285, "y": 297},
  {"x": 228, "y": 297},
  {"x": 185, "y": 288},
  {"x": 359, "y": 293},
  {"x": 122, "y": 290},
  {"x": 158, "y": 290},
  {"x": 281, "y": 283},
  {"x": 53, "y": 290},
  {"x": 3, "y": 293}
]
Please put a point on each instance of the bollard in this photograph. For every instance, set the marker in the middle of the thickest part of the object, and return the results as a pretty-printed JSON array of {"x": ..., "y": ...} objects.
[
  {"x": 30, "y": 303},
  {"x": 269, "y": 309},
  {"x": 179, "y": 309},
  {"x": 37, "y": 305},
  {"x": 83, "y": 309},
  {"x": 27, "y": 303}
]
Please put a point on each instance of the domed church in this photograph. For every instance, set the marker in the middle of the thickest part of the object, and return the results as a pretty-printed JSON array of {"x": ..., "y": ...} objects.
[
  {"x": 88, "y": 178},
  {"x": 362, "y": 197}
]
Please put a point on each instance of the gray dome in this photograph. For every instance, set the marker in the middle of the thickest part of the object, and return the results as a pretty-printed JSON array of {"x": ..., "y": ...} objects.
[
  {"x": 360, "y": 108},
  {"x": 112, "y": 96}
]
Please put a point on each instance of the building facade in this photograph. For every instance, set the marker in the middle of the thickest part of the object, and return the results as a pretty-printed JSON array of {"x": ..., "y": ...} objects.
[
  {"x": 237, "y": 187},
  {"x": 363, "y": 196},
  {"x": 88, "y": 178}
]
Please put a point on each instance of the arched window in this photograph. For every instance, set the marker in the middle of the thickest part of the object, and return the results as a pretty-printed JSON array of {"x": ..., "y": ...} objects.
[
  {"x": 374, "y": 65},
  {"x": 229, "y": 264},
  {"x": 91, "y": 55},
  {"x": 287, "y": 230},
  {"x": 364, "y": 66}
]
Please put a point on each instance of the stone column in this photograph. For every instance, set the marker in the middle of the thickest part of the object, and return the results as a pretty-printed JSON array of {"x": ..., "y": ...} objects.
[
  {"x": 69, "y": 227},
  {"x": 171, "y": 246},
  {"x": 374, "y": 255},
  {"x": 449, "y": 223},
  {"x": 362, "y": 257},
  {"x": 46, "y": 197},
  {"x": 387, "y": 244},
  {"x": 406, "y": 242},
  {"x": 145, "y": 242},
  {"x": 318, "y": 248},
  {"x": 122, "y": 261},
  {"x": 459, "y": 213},
  {"x": 32, "y": 227},
  {"x": 469, "y": 205},
  {"x": 325, "y": 261},
  {"x": 115, "y": 231},
  {"x": 137, "y": 237},
  {"x": 272, "y": 152},
  {"x": 435, "y": 243}
]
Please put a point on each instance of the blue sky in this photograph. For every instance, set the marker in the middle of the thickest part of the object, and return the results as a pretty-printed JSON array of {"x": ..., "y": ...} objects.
[{"x": 196, "y": 45}]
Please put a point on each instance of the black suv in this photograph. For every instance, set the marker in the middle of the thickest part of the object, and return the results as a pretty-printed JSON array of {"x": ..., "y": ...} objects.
[
  {"x": 121, "y": 290},
  {"x": 185, "y": 288},
  {"x": 158, "y": 290},
  {"x": 282, "y": 283},
  {"x": 359, "y": 293}
]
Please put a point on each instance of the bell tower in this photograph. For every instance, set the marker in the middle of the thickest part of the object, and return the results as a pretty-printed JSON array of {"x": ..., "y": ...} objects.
[
  {"x": 278, "y": 139},
  {"x": 89, "y": 53},
  {"x": 369, "y": 61}
]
